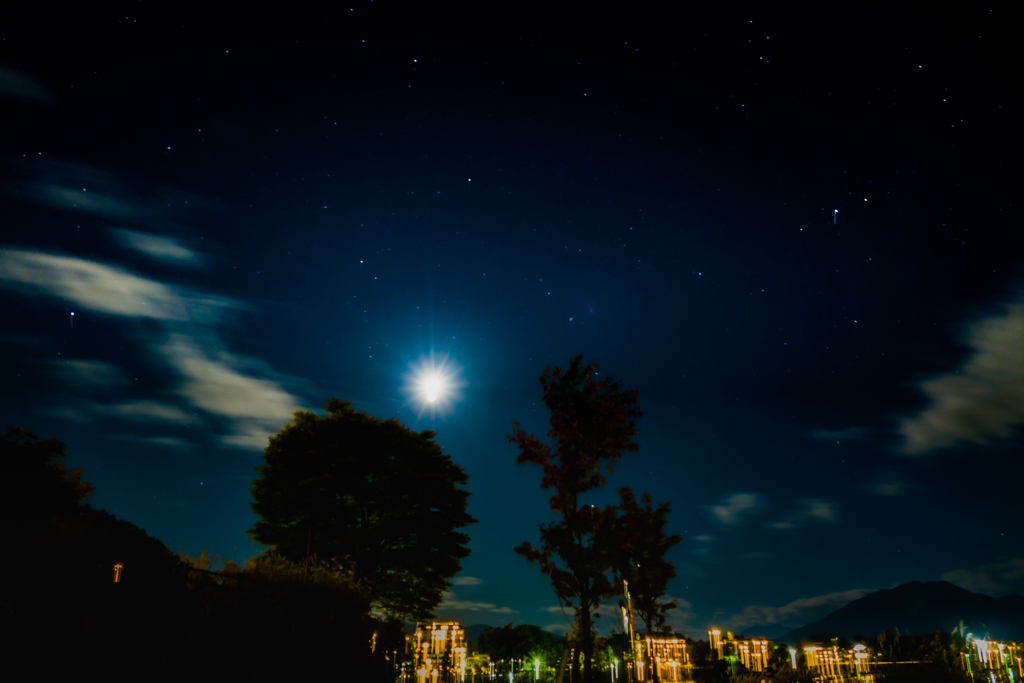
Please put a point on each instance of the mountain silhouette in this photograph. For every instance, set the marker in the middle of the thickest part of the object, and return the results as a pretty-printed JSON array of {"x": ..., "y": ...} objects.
[{"x": 921, "y": 608}]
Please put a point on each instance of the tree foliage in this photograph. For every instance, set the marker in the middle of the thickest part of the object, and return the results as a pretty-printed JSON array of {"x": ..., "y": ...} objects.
[
  {"x": 57, "y": 595},
  {"x": 524, "y": 642},
  {"x": 370, "y": 494},
  {"x": 593, "y": 422},
  {"x": 640, "y": 554},
  {"x": 45, "y": 486}
]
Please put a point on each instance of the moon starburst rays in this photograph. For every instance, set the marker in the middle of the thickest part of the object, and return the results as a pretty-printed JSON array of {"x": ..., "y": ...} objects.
[{"x": 433, "y": 384}]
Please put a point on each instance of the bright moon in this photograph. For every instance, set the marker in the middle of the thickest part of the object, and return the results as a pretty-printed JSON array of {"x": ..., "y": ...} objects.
[
  {"x": 433, "y": 384},
  {"x": 432, "y": 387}
]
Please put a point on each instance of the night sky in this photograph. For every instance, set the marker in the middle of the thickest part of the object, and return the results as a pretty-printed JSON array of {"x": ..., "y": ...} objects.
[{"x": 797, "y": 235}]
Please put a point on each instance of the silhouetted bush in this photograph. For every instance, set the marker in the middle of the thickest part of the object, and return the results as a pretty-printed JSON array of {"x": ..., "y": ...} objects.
[{"x": 62, "y": 614}]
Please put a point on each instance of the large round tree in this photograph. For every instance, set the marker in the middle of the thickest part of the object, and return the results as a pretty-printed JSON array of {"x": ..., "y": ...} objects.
[{"x": 368, "y": 492}]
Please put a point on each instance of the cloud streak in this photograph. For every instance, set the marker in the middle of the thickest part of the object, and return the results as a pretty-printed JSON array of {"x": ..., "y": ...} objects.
[
  {"x": 793, "y": 614},
  {"x": 106, "y": 289},
  {"x": 734, "y": 508},
  {"x": 16, "y": 84},
  {"x": 809, "y": 510},
  {"x": 222, "y": 384},
  {"x": 451, "y": 602},
  {"x": 255, "y": 407},
  {"x": 150, "y": 411},
  {"x": 888, "y": 483},
  {"x": 981, "y": 401},
  {"x": 157, "y": 247},
  {"x": 249, "y": 399},
  {"x": 996, "y": 579},
  {"x": 466, "y": 581},
  {"x": 89, "y": 376},
  {"x": 158, "y": 441},
  {"x": 820, "y": 510}
]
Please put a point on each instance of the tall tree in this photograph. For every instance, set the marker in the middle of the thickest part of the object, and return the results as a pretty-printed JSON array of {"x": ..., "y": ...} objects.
[
  {"x": 592, "y": 425},
  {"x": 45, "y": 486},
  {"x": 642, "y": 544},
  {"x": 370, "y": 493}
]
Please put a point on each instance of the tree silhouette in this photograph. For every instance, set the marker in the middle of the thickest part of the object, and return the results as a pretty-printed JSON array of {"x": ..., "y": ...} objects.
[
  {"x": 46, "y": 488},
  {"x": 642, "y": 545},
  {"x": 592, "y": 424},
  {"x": 370, "y": 493},
  {"x": 525, "y": 642}
]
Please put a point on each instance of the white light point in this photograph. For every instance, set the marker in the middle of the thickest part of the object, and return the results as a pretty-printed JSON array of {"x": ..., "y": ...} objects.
[
  {"x": 432, "y": 387},
  {"x": 434, "y": 384}
]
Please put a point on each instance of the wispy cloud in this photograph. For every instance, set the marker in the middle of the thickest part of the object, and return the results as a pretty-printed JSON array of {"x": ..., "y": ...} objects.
[
  {"x": 81, "y": 199},
  {"x": 158, "y": 441},
  {"x": 89, "y": 376},
  {"x": 466, "y": 581},
  {"x": 256, "y": 407},
  {"x": 106, "y": 289},
  {"x": 682, "y": 619},
  {"x": 451, "y": 602},
  {"x": 17, "y": 84},
  {"x": 755, "y": 555},
  {"x": 888, "y": 483},
  {"x": 85, "y": 189},
  {"x": 67, "y": 414},
  {"x": 981, "y": 401},
  {"x": 148, "y": 410},
  {"x": 809, "y": 510},
  {"x": 996, "y": 579},
  {"x": 793, "y": 614},
  {"x": 249, "y": 398},
  {"x": 157, "y": 247},
  {"x": 734, "y": 508},
  {"x": 820, "y": 510}
]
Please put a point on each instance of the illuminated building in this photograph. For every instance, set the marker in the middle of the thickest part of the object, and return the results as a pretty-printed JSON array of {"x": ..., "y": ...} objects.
[
  {"x": 438, "y": 652},
  {"x": 836, "y": 661},
  {"x": 667, "y": 656},
  {"x": 715, "y": 638},
  {"x": 478, "y": 665},
  {"x": 753, "y": 653},
  {"x": 861, "y": 659},
  {"x": 117, "y": 572},
  {"x": 994, "y": 656}
]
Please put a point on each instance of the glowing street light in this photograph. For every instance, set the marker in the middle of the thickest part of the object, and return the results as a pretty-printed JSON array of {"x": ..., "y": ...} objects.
[{"x": 117, "y": 572}]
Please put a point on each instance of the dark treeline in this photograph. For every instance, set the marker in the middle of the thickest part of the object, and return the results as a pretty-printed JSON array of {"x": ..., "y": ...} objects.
[
  {"x": 61, "y": 612},
  {"x": 523, "y": 643}
]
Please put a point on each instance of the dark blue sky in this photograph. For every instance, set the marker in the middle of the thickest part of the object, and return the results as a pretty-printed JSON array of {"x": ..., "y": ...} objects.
[{"x": 250, "y": 213}]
